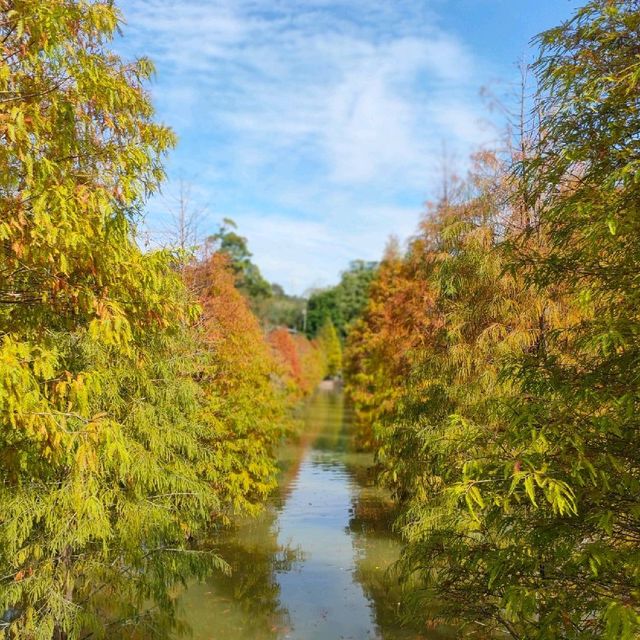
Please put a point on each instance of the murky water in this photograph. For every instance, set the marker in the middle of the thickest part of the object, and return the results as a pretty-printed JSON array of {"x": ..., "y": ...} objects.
[{"x": 314, "y": 566}]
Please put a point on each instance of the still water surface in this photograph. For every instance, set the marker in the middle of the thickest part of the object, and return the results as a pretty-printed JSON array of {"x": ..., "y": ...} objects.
[{"x": 314, "y": 566}]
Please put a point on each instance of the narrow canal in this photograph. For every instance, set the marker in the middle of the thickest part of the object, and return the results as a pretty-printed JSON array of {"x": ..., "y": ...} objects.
[{"x": 314, "y": 566}]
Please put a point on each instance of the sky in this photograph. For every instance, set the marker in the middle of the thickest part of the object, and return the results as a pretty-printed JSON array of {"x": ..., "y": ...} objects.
[{"x": 319, "y": 125}]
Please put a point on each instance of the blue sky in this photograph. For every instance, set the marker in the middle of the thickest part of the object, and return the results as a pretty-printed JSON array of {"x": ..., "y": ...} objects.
[{"x": 318, "y": 125}]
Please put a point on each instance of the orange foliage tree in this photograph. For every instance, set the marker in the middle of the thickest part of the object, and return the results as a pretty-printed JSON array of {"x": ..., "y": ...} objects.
[
  {"x": 379, "y": 346},
  {"x": 246, "y": 409},
  {"x": 302, "y": 360}
]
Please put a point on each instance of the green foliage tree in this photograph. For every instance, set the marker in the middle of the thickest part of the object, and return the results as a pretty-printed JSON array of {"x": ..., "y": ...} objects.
[
  {"x": 343, "y": 303},
  {"x": 273, "y": 306},
  {"x": 249, "y": 279},
  {"x": 354, "y": 290},
  {"x": 332, "y": 348},
  {"x": 281, "y": 310},
  {"x": 322, "y": 306}
]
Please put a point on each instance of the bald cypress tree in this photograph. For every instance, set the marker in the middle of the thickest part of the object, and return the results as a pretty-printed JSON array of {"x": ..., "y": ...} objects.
[
  {"x": 512, "y": 438},
  {"x": 111, "y": 477},
  {"x": 577, "y": 417}
]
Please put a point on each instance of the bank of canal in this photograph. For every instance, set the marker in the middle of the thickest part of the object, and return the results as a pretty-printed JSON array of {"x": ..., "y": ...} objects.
[{"x": 314, "y": 566}]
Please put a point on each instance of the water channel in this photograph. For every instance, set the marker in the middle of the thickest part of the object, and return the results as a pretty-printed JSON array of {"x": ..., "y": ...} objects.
[{"x": 315, "y": 565}]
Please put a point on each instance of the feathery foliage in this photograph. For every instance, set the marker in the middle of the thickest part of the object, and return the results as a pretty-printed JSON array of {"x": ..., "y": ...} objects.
[
  {"x": 497, "y": 363},
  {"x": 331, "y": 347},
  {"x": 122, "y": 448},
  {"x": 303, "y": 360}
]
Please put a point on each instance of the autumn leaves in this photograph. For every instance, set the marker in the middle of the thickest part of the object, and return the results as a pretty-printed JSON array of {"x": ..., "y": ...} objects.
[
  {"x": 495, "y": 371},
  {"x": 140, "y": 402}
]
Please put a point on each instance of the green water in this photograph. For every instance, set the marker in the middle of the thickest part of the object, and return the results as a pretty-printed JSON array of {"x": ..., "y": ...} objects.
[{"x": 314, "y": 566}]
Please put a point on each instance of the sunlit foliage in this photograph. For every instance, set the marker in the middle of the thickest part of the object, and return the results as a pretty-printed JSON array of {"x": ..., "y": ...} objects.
[
  {"x": 331, "y": 346},
  {"x": 579, "y": 422},
  {"x": 304, "y": 361},
  {"x": 245, "y": 412},
  {"x": 378, "y": 346},
  {"x": 122, "y": 447},
  {"x": 497, "y": 363}
]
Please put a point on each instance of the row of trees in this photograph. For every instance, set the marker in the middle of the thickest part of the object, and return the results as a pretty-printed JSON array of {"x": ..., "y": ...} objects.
[
  {"x": 304, "y": 361},
  {"x": 140, "y": 402},
  {"x": 325, "y": 318},
  {"x": 331, "y": 312},
  {"x": 496, "y": 368}
]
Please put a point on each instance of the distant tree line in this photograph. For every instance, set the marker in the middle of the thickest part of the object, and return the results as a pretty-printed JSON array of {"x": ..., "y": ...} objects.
[
  {"x": 344, "y": 302},
  {"x": 269, "y": 301}
]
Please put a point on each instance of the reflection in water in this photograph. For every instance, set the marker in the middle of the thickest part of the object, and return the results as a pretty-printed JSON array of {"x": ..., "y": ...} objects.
[
  {"x": 245, "y": 604},
  {"x": 314, "y": 566}
]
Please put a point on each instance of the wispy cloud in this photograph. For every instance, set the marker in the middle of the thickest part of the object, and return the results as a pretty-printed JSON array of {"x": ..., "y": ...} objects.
[{"x": 317, "y": 125}]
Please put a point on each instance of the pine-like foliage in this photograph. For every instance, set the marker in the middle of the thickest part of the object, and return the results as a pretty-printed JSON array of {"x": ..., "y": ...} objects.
[
  {"x": 118, "y": 459},
  {"x": 246, "y": 411},
  {"x": 498, "y": 365},
  {"x": 379, "y": 345},
  {"x": 303, "y": 361},
  {"x": 577, "y": 416},
  {"x": 446, "y": 448},
  {"x": 332, "y": 348},
  {"x": 441, "y": 329}
]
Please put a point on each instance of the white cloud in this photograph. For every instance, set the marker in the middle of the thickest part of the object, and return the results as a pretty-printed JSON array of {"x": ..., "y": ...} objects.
[
  {"x": 316, "y": 125},
  {"x": 303, "y": 254}
]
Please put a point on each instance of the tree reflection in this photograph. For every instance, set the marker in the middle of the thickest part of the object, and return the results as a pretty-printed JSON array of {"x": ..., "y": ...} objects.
[
  {"x": 376, "y": 552},
  {"x": 248, "y": 604},
  {"x": 245, "y": 603}
]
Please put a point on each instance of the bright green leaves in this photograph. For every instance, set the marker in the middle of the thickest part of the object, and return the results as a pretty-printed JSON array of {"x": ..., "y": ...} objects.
[
  {"x": 473, "y": 499},
  {"x": 558, "y": 494},
  {"x": 622, "y": 622},
  {"x": 113, "y": 479}
]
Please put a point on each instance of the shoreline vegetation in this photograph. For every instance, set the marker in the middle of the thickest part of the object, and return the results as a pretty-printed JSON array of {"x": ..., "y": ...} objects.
[
  {"x": 495, "y": 371},
  {"x": 493, "y": 363},
  {"x": 140, "y": 398}
]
